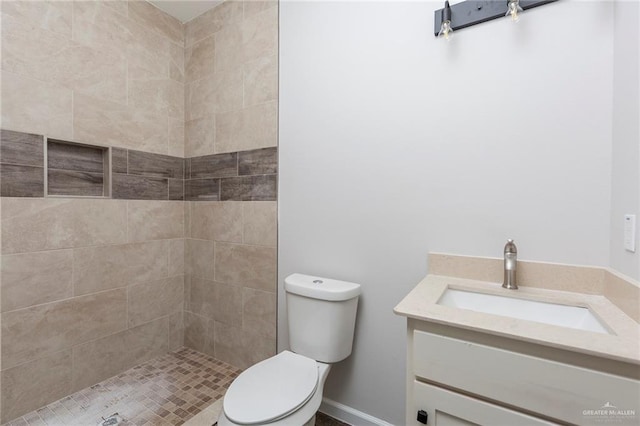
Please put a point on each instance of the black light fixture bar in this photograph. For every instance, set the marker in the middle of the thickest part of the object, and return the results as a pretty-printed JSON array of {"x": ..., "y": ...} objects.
[{"x": 472, "y": 12}]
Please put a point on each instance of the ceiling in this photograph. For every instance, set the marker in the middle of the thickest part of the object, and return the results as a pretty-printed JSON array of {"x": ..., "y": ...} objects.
[{"x": 185, "y": 10}]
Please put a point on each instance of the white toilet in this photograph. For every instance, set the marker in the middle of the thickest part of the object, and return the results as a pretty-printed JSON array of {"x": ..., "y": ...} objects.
[{"x": 286, "y": 389}]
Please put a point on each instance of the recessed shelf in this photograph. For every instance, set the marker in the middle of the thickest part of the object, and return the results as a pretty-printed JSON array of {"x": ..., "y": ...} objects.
[{"x": 77, "y": 170}]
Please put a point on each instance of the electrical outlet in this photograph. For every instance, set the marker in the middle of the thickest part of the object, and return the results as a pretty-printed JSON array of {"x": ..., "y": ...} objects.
[{"x": 630, "y": 232}]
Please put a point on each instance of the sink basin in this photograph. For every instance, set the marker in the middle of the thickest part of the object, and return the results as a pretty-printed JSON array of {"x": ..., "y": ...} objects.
[{"x": 577, "y": 317}]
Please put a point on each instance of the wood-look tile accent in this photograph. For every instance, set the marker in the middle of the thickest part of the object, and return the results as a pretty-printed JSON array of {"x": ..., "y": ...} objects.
[
  {"x": 243, "y": 176},
  {"x": 176, "y": 189},
  {"x": 66, "y": 156},
  {"x": 132, "y": 187},
  {"x": 77, "y": 183},
  {"x": 119, "y": 160},
  {"x": 156, "y": 165},
  {"x": 21, "y": 164}
]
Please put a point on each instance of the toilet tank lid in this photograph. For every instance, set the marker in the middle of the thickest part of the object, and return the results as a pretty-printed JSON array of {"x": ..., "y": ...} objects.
[{"x": 321, "y": 288}]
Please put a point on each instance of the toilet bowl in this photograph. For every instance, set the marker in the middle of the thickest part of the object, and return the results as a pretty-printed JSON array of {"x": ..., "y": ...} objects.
[
  {"x": 286, "y": 389},
  {"x": 283, "y": 390}
]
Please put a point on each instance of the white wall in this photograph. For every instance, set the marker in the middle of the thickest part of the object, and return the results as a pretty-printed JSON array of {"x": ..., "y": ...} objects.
[
  {"x": 625, "y": 194},
  {"x": 393, "y": 144}
]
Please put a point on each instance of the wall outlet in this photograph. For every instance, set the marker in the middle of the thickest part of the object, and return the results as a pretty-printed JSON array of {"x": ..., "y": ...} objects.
[{"x": 630, "y": 232}]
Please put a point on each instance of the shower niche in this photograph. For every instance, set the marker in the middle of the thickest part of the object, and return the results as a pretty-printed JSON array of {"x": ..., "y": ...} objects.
[{"x": 77, "y": 170}]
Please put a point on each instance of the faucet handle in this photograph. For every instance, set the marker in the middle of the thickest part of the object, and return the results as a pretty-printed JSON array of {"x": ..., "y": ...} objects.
[{"x": 510, "y": 247}]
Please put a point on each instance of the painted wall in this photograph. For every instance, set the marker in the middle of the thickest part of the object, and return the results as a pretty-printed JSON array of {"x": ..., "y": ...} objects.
[
  {"x": 394, "y": 144},
  {"x": 625, "y": 189}
]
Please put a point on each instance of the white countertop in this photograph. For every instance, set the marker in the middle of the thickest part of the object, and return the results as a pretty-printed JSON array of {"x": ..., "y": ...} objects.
[{"x": 623, "y": 344}]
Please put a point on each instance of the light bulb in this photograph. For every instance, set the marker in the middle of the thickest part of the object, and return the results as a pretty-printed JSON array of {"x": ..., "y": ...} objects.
[
  {"x": 445, "y": 30},
  {"x": 513, "y": 10}
]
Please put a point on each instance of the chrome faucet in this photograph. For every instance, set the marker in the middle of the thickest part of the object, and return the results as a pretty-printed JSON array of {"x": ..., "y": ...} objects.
[{"x": 510, "y": 265}]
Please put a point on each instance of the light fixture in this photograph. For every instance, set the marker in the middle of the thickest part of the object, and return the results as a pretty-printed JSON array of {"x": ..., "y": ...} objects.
[
  {"x": 513, "y": 10},
  {"x": 473, "y": 12},
  {"x": 445, "y": 28}
]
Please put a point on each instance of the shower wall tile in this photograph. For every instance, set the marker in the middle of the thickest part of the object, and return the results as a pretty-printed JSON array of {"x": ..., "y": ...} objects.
[
  {"x": 260, "y": 79},
  {"x": 250, "y": 128},
  {"x": 21, "y": 148},
  {"x": 217, "y": 221},
  {"x": 249, "y": 188},
  {"x": 66, "y": 156},
  {"x": 36, "y": 106},
  {"x": 240, "y": 346},
  {"x": 151, "y": 17},
  {"x": 34, "y": 384},
  {"x": 68, "y": 182},
  {"x": 227, "y": 307},
  {"x": 199, "y": 136},
  {"x": 212, "y": 21},
  {"x": 146, "y": 164},
  {"x": 102, "y": 358},
  {"x": 54, "y": 16},
  {"x": 195, "y": 331},
  {"x": 21, "y": 181},
  {"x": 201, "y": 258},
  {"x": 198, "y": 58},
  {"x": 250, "y": 266},
  {"x": 202, "y": 189},
  {"x": 176, "y": 330},
  {"x": 132, "y": 187},
  {"x": 260, "y": 225},
  {"x": 155, "y": 299},
  {"x": 176, "y": 257},
  {"x": 176, "y": 137},
  {"x": 211, "y": 166},
  {"x": 176, "y": 189},
  {"x": 258, "y": 162},
  {"x": 202, "y": 297},
  {"x": 33, "y": 224},
  {"x": 34, "y": 278},
  {"x": 259, "y": 311},
  {"x": 107, "y": 267},
  {"x": 32, "y": 333},
  {"x": 167, "y": 223},
  {"x": 119, "y": 160}
]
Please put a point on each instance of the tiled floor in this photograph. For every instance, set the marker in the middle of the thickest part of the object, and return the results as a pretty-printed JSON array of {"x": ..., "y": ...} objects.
[
  {"x": 164, "y": 391},
  {"x": 168, "y": 390}
]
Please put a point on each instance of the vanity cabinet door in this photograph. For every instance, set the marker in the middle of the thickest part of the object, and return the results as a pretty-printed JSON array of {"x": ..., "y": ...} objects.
[{"x": 446, "y": 408}]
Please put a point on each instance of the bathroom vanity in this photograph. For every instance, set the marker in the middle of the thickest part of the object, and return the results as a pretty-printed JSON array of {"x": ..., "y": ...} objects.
[{"x": 533, "y": 365}]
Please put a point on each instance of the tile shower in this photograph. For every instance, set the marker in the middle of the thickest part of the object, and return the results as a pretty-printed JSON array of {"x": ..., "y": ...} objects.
[{"x": 138, "y": 174}]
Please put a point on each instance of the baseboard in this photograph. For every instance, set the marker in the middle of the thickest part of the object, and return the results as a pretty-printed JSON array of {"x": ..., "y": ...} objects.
[{"x": 349, "y": 415}]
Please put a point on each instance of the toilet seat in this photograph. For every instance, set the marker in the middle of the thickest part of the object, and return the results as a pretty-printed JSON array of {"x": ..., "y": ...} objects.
[{"x": 271, "y": 389}]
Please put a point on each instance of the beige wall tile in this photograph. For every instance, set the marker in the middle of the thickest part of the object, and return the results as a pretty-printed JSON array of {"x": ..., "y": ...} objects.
[
  {"x": 199, "y": 59},
  {"x": 202, "y": 297},
  {"x": 38, "y": 331},
  {"x": 54, "y": 16},
  {"x": 111, "y": 123},
  {"x": 260, "y": 79},
  {"x": 32, "y": 224},
  {"x": 195, "y": 331},
  {"x": 156, "y": 95},
  {"x": 260, "y": 225},
  {"x": 250, "y": 128},
  {"x": 187, "y": 218},
  {"x": 213, "y": 21},
  {"x": 176, "y": 330},
  {"x": 229, "y": 52},
  {"x": 228, "y": 304},
  {"x": 219, "y": 221},
  {"x": 120, "y": 6},
  {"x": 33, "y": 278},
  {"x": 201, "y": 256},
  {"x": 34, "y": 384},
  {"x": 100, "y": 359},
  {"x": 260, "y": 35},
  {"x": 219, "y": 92},
  {"x": 176, "y": 257},
  {"x": 176, "y": 137},
  {"x": 249, "y": 266},
  {"x": 152, "y": 17},
  {"x": 241, "y": 347},
  {"x": 96, "y": 24},
  {"x": 35, "y": 106},
  {"x": 101, "y": 268},
  {"x": 252, "y": 7},
  {"x": 155, "y": 299},
  {"x": 259, "y": 312},
  {"x": 199, "y": 136},
  {"x": 143, "y": 63},
  {"x": 155, "y": 220}
]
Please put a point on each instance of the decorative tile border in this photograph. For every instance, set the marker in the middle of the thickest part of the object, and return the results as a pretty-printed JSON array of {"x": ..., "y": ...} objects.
[{"x": 77, "y": 170}]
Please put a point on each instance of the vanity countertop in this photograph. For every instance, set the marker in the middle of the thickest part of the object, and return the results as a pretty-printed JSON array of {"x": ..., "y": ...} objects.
[{"x": 623, "y": 344}]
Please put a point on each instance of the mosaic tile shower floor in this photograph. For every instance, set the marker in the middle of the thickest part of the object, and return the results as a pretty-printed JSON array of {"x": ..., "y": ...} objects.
[{"x": 168, "y": 390}]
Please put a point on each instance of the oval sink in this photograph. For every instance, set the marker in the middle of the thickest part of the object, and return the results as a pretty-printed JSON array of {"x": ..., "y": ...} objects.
[{"x": 577, "y": 317}]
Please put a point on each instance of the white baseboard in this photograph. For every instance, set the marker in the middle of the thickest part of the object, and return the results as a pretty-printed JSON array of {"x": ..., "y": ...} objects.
[{"x": 349, "y": 415}]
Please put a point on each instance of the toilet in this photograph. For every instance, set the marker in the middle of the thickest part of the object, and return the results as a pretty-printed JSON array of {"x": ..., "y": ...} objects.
[{"x": 286, "y": 389}]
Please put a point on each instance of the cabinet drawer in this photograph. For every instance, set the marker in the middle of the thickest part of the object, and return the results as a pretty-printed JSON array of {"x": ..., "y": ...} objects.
[
  {"x": 556, "y": 390},
  {"x": 446, "y": 408}
]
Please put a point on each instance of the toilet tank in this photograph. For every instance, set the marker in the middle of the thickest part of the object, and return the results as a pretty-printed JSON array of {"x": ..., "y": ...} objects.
[{"x": 321, "y": 316}]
